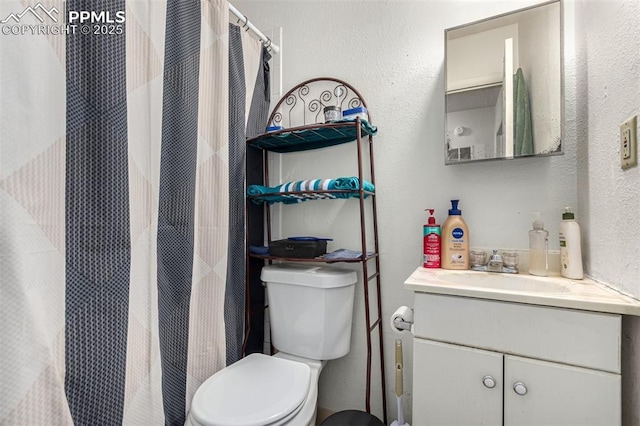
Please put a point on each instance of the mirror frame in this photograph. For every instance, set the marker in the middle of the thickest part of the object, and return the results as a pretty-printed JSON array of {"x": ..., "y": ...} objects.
[{"x": 561, "y": 118}]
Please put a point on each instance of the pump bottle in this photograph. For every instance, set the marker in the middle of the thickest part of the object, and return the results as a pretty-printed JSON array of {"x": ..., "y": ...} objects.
[
  {"x": 455, "y": 240},
  {"x": 538, "y": 248},
  {"x": 570, "y": 246},
  {"x": 431, "y": 242}
]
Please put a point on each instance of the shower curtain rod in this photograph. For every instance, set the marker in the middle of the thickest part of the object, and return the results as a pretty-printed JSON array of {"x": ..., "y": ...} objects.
[{"x": 266, "y": 41}]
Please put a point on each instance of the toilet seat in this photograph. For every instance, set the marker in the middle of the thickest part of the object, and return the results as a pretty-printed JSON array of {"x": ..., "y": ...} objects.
[{"x": 257, "y": 390}]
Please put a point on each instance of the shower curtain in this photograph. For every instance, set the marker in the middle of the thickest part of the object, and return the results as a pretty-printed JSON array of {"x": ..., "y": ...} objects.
[
  {"x": 115, "y": 297},
  {"x": 249, "y": 98}
]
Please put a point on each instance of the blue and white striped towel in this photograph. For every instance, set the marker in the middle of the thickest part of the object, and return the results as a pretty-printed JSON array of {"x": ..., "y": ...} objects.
[{"x": 280, "y": 193}]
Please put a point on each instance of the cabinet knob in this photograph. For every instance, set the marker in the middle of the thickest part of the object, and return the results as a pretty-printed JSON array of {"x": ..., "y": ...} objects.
[
  {"x": 520, "y": 388},
  {"x": 489, "y": 382}
]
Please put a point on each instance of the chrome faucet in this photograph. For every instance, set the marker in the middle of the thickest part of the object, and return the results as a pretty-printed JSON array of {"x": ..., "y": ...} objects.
[
  {"x": 505, "y": 263},
  {"x": 495, "y": 262}
]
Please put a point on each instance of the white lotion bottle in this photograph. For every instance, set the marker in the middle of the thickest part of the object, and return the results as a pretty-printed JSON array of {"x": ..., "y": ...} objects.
[
  {"x": 570, "y": 247},
  {"x": 538, "y": 248}
]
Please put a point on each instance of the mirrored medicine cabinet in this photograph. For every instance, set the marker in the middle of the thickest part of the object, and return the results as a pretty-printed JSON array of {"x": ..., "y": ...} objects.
[{"x": 504, "y": 86}]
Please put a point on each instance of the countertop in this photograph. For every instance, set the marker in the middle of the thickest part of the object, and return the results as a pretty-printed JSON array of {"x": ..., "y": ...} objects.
[{"x": 554, "y": 290}]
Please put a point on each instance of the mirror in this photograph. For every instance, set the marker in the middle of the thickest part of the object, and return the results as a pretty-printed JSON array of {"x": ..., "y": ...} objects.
[{"x": 505, "y": 69}]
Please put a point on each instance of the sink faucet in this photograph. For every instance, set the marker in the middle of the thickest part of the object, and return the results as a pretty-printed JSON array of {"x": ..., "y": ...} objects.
[
  {"x": 495, "y": 262},
  {"x": 504, "y": 263}
]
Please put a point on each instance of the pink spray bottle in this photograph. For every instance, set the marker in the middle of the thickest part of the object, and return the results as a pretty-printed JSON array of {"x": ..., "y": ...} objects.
[{"x": 431, "y": 242}]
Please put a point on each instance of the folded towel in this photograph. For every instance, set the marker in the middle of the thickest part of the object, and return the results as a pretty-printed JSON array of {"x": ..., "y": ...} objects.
[
  {"x": 345, "y": 254},
  {"x": 280, "y": 193}
]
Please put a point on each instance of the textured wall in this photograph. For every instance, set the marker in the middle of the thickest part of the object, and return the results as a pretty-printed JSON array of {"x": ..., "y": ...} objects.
[
  {"x": 608, "y": 90},
  {"x": 393, "y": 53},
  {"x": 607, "y": 39}
]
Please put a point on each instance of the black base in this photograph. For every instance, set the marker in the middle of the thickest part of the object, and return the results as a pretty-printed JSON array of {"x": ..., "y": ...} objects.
[{"x": 352, "y": 418}]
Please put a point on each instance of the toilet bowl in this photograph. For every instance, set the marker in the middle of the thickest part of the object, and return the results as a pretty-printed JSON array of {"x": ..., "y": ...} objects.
[
  {"x": 310, "y": 313},
  {"x": 259, "y": 390}
]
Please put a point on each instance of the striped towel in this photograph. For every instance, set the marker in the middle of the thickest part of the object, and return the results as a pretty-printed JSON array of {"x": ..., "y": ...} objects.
[{"x": 279, "y": 194}]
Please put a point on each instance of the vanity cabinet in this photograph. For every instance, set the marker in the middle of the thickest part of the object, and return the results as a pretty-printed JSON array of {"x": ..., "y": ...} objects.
[{"x": 485, "y": 362}]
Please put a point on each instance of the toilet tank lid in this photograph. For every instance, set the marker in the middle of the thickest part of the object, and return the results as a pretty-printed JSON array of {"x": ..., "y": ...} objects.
[{"x": 308, "y": 275}]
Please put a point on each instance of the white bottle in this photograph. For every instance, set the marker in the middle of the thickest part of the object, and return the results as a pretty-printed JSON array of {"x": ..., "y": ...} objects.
[
  {"x": 570, "y": 246},
  {"x": 538, "y": 248}
]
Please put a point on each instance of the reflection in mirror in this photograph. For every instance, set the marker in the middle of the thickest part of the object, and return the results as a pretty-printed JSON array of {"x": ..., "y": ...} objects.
[{"x": 505, "y": 69}]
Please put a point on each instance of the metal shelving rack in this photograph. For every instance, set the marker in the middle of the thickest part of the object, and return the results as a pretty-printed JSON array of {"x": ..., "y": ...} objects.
[{"x": 301, "y": 115}]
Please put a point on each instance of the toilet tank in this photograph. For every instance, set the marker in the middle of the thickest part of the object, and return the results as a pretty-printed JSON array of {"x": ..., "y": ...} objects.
[{"x": 310, "y": 309}]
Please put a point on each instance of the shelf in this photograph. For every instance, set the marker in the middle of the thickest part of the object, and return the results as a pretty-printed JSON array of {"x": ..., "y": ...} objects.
[
  {"x": 313, "y": 260},
  {"x": 313, "y": 136},
  {"x": 295, "y": 197},
  {"x": 298, "y": 115}
]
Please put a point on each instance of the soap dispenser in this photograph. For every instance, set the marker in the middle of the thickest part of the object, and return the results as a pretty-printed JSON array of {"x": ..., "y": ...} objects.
[{"x": 538, "y": 248}]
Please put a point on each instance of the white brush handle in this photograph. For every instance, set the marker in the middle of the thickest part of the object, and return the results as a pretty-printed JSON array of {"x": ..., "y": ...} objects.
[{"x": 400, "y": 412}]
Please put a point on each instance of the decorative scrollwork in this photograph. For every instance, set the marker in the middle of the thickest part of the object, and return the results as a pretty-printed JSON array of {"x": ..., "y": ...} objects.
[
  {"x": 276, "y": 119},
  {"x": 303, "y": 90},
  {"x": 354, "y": 102},
  {"x": 340, "y": 92},
  {"x": 325, "y": 97},
  {"x": 303, "y": 105},
  {"x": 291, "y": 101},
  {"x": 315, "y": 105}
]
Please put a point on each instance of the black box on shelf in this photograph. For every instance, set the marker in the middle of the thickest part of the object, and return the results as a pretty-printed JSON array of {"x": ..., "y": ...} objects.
[{"x": 298, "y": 249}]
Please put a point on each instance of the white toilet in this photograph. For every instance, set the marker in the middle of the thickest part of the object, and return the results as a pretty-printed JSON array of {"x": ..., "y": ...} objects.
[{"x": 310, "y": 313}]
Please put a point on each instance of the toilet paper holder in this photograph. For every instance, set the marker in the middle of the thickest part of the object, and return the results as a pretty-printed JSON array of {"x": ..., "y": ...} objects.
[
  {"x": 401, "y": 324},
  {"x": 402, "y": 320}
]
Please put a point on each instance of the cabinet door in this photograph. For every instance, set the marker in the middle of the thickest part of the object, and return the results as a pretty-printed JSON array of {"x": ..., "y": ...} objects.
[
  {"x": 557, "y": 394},
  {"x": 449, "y": 385}
]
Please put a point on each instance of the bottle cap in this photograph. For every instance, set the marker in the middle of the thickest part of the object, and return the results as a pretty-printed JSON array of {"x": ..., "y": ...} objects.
[
  {"x": 568, "y": 214},
  {"x": 432, "y": 220},
  {"x": 454, "y": 211}
]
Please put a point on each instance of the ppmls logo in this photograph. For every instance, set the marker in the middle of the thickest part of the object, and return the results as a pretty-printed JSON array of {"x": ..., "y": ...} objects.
[
  {"x": 75, "y": 22},
  {"x": 39, "y": 11}
]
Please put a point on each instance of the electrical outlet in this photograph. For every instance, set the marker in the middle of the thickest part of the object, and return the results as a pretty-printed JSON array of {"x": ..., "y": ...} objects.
[{"x": 629, "y": 143}]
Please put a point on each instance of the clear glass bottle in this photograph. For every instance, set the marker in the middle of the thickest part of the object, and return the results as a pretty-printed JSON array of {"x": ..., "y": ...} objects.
[{"x": 538, "y": 248}]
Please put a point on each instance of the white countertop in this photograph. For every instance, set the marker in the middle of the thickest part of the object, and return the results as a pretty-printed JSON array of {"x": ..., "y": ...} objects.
[{"x": 557, "y": 291}]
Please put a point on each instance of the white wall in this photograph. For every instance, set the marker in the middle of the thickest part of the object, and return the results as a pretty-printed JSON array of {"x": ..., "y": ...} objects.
[
  {"x": 485, "y": 50},
  {"x": 607, "y": 40},
  {"x": 393, "y": 53},
  {"x": 542, "y": 29},
  {"x": 478, "y": 124}
]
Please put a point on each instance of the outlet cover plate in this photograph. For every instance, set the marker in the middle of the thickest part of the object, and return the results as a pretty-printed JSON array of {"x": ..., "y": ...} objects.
[{"x": 629, "y": 143}]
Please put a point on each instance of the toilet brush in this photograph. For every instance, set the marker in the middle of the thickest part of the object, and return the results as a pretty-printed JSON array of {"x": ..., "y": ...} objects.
[{"x": 399, "y": 390}]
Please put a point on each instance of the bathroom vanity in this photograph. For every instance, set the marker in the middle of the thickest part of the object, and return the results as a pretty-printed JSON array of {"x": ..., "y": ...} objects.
[{"x": 497, "y": 349}]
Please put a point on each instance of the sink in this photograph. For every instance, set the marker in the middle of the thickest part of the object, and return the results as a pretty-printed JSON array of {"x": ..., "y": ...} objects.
[
  {"x": 554, "y": 290},
  {"x": 505, "y": 282}
]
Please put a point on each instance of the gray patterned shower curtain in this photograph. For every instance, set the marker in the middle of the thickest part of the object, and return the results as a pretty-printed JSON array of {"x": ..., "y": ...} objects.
[
  {"x": 249, "y": 98},
  {"x": 118, "y": 176}
]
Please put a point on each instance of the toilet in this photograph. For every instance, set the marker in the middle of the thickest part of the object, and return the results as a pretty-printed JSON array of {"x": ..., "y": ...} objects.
[{"x": 310, "y": 313}]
